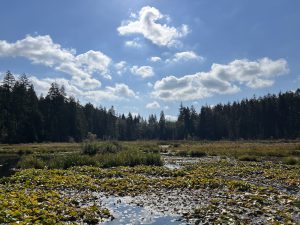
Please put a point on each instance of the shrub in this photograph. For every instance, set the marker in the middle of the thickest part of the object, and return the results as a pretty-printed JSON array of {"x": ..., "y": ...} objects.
[
  {"x": 30, "y": 161},
  {"x": 291, "y": 161},
  {"x": 195, "y": 153},
  {"x": 248, "y": 158},
  {"x": 91, "y": 136},
  {"x": 150, "y": 148},
  {"x": 176, "y": 145},
  {"x": 129, "y": 158},
  {"x": 69, "y": 160},
  {"x": 181, "y": 153},
  {"x": 92, "y": 147}
]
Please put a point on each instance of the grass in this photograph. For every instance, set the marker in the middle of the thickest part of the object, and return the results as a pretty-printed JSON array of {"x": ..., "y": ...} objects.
[
  {"x": 106, "y": 160},
  {"x": 276, "y": 148},
  {"x": 40, "y": 148},
  {"x": 94, "y": 147},
  {"x": 248, "y": 158},
  {"x": 292, "y": 160}
]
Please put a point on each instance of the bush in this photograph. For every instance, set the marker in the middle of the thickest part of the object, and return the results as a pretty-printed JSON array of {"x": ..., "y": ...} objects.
[
  {"x": 70, "y": 160},
  {"x": 194, "y": 153},
  {"x": 176, "y": 145},
  {"x": 31, "y": 161},
  {"x": 181, "y": 153},
  {"x": 129, "y": 158},
  {"x": 248, "y": 158},
  {"x": 92, "y": 147},
  {"x": 150, "y": 148},
  {"x": 291, "y": 160}
]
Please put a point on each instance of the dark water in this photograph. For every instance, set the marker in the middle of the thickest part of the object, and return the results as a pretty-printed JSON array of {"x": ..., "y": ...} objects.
[{"x": 7, "y": 163}]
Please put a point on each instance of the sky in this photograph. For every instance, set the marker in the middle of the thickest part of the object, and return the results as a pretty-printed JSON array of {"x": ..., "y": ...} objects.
[{"x": 146, "y": 56}]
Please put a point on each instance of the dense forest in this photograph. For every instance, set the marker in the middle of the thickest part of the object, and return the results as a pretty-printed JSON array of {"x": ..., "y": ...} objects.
[{"x": 25, "y": 117}]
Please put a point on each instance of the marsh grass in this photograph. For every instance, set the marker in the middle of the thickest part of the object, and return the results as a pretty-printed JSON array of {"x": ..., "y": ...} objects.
[
  {"x": 197, "y": 153},
  {"x": 41, "y": 148},
  {"x": 31, "y": 161},
  {"x": 106, "y": 160},
  {"x": 101, "y": 153},
  {"x": 249, "y": 158},
  {"x": 94, "y": 147},
  {"x": 292, "y": 160}
]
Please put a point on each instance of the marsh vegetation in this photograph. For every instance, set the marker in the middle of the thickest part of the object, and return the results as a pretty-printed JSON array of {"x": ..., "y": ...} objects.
[{"x": 213, "y": 182}]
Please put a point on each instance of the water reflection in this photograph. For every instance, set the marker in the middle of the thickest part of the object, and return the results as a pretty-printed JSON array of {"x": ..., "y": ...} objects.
[
  {"x": 7, "y": 163},
  {"x": 126, "y": 213}
]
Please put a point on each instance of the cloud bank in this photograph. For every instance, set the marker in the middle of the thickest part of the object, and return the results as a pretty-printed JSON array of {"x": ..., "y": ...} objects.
[
  {"x": 42, "y": 50},
  {"x": 221, "y": 79}
]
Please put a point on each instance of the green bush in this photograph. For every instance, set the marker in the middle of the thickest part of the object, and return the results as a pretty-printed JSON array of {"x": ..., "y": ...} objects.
[
  {"x": 30, "y": 161},
  {"x": 182, "y": 153},
  {"x": 248, "y": 158},
  {"x": 69, "y": 160},
  {"x": 195, "y": 153},
  {"x": 129, "y": 158},
  {"x": 93, "y": 147},
  {"x": 90, "y": 148},
  {"x": 291, "y": 160}
]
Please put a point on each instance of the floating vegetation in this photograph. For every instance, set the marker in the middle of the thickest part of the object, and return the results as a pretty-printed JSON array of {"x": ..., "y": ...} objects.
[{"x": 218, "y": 191}]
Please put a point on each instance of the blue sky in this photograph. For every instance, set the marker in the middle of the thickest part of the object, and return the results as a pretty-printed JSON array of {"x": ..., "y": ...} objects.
[{"x": 148, "y": 56}]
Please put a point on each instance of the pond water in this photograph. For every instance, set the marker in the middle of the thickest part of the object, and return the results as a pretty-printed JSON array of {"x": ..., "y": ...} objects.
[
  {"x": 7, "y": 164},
  {"x": 124, "y": 210},
  {"x": 127, "y": 213}
]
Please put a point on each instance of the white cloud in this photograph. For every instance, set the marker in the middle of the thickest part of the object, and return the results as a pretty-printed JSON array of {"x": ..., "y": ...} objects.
[
  {"x": 171, "y": 118},
  {"x": 113, "y": 93},
  {"x": 42, "y": 50},
  {"x": 221, "y": 79},
  {"x": 147, "y": 24},
  {"x": 149, "y": 84},
  {"x": 143, "y": 71},
  {"x": 121, "y": 67},
  {"x": 93, "y": 62},
  {"x": 87, "y": 83},
  {"x": 155, "y": 59},
  {"x": 121, "y": 90},
  {"x": 153, "y": 105},
  {"x": 185, "y": 56},
  {"x": 133, "y": 43}
]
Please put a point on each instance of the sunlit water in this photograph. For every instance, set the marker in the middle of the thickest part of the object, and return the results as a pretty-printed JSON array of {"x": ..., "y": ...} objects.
[{"x": 126, "y": 213}]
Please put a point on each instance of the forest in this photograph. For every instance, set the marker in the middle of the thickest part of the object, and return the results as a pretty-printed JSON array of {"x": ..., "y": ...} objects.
[{"x": 25, "y": 118}]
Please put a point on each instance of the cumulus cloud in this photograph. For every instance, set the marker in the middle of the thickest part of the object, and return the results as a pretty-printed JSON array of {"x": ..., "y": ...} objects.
[
  {"x": 155, "y": 59},
  {"x": 121, "y": 67},
  {"x": 143, "y": 71},
  {"x": 185, "y": 56},
  {"x": 42, "y": 50},
  {"x": 153, "y": 105},
  {"x": 147, "y": 24},
  {"x": 113, "y": 93},
  {"x": 221, "y": 79}
]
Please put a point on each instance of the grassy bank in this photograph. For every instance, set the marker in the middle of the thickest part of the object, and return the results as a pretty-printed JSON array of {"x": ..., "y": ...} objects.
[
  {"x": 92, "y": 153},
  {"x": 111, "y": 153}
]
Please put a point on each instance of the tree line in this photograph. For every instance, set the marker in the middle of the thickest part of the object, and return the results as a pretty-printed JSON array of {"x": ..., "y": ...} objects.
[{"x": 25, "y": 117}]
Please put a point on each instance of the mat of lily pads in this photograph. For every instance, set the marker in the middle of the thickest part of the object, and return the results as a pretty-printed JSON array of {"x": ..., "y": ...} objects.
[{"x": 207, "y": 192}]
